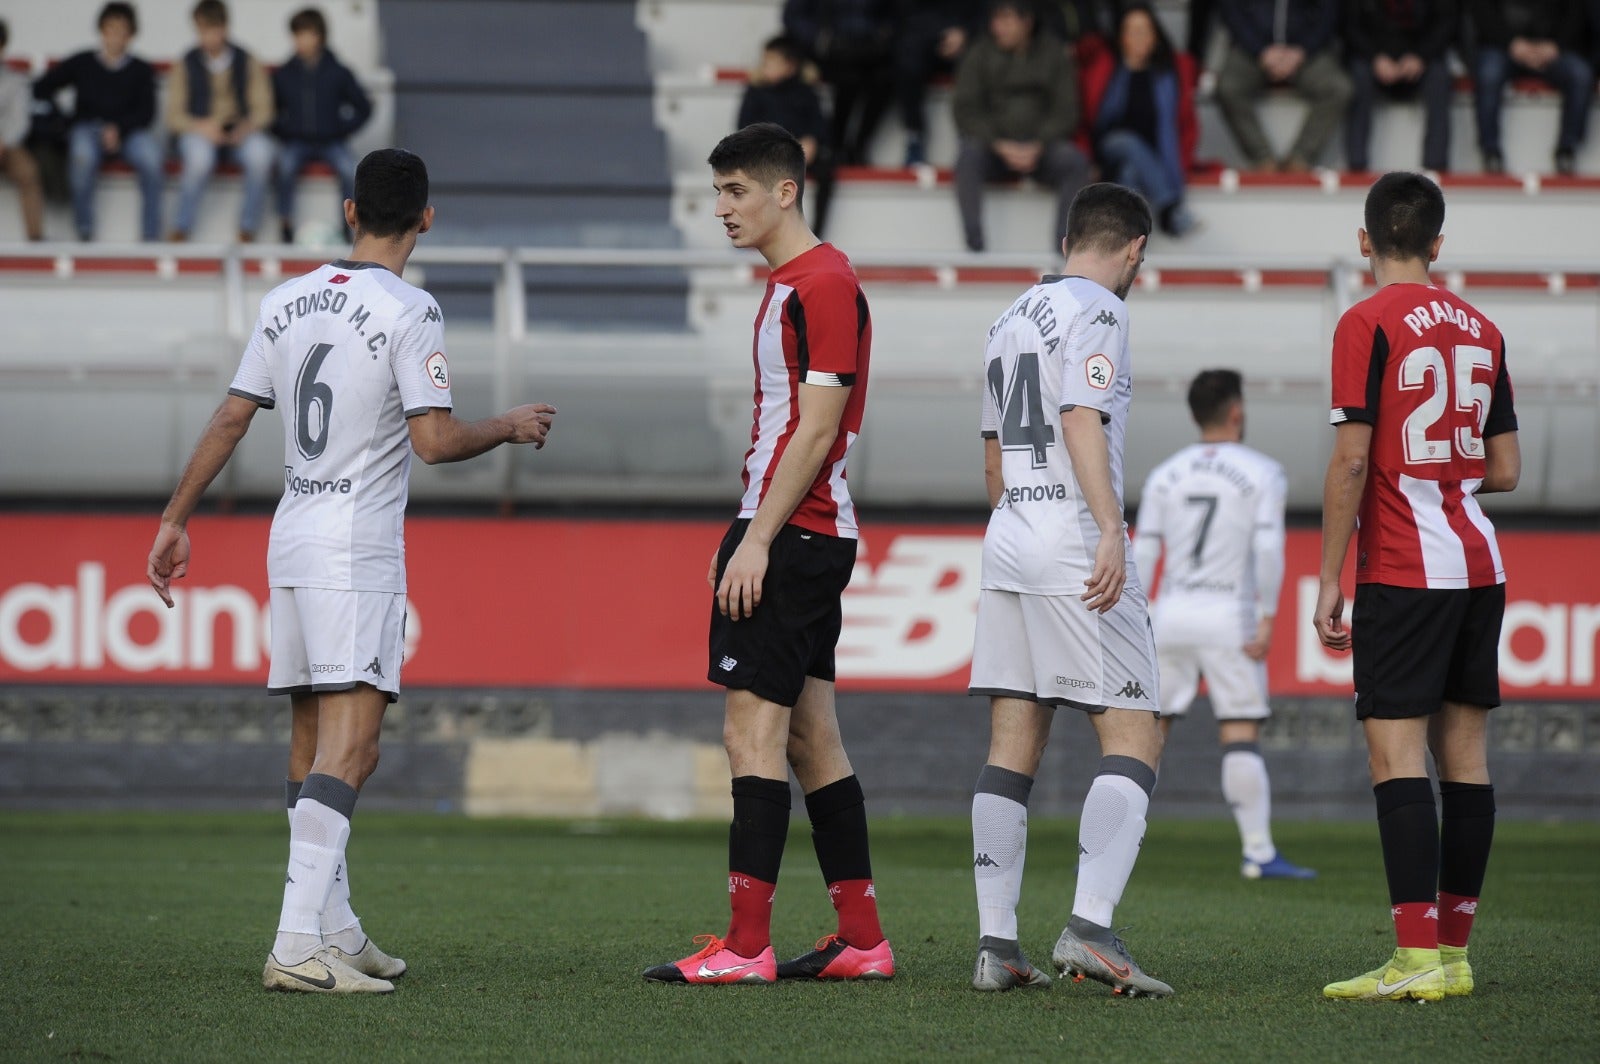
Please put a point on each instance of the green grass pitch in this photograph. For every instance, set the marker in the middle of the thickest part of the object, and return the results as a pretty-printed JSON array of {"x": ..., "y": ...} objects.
[{"x": 140, "y": 937}]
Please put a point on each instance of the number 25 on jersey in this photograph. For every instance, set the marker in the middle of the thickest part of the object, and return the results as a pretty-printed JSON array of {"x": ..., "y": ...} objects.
[{"x": 1458, "y": 390}]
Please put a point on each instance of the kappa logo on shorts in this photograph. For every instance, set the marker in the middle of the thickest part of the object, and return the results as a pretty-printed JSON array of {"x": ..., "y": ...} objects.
[
  {"x": 727, "y": 663},
  {"x": 1073, "y": 681},
  {"x": 1132, "y": 689},
  {"x": 376, "y": 668}
]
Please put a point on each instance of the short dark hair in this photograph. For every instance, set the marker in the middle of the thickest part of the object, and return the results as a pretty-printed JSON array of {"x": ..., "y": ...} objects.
[
  {"x": 1405, "y": 212},
  {"x": 788, "y": 47},
  {"x": 766, "y": 152},
  {"x": 118, "y": 9},
  {"x": 210, "y": 13},
  {"x": 5, "y": 33},
  {"x": 391, "y": 192},
  {"x": 1027, "y": 9},
  {"x": 1106, "y": 217},
  {"x": 309, "y": 19},
  {"x": 1212, "y": 392}
]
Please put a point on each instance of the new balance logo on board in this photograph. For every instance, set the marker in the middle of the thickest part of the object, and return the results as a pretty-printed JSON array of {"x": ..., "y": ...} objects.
[{"x": 1132, "y": 689}]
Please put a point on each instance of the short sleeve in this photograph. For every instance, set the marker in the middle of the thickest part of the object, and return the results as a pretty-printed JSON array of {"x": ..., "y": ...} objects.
[
  {"x": 417, "y": 358},
  {"x": 989, "y": 419},
  {"x": 1502, "y": 409},
  {"x": 1360, "y": 353},
  {"x": 1092, "y": 356},
  {"x": 829, "y": 319},
  {"x": 253, "y": 381}
]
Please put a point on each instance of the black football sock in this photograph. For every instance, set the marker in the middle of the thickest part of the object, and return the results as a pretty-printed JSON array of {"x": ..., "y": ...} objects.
[
  {"x": 1408, "y": 827},
  {"x": 756, "y": 836},
  {"x": 838, "y": 814},
  {"x": 1466, "y": 835}
]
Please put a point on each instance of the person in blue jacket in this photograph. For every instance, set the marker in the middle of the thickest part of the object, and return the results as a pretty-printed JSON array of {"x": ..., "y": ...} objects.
[{"x": 319, "y": 104}]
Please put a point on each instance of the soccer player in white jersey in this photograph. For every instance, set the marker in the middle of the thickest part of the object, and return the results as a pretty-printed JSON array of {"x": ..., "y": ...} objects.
[
  {"x": 1215, "y": 511},
  {"x": 354, "y": 358},
  {"x": 1062, "y": 619}
]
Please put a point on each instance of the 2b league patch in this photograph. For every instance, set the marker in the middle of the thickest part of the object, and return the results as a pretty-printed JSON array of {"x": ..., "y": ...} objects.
[
  {"x": 1098, "y": 371},
  {"x": 438, "y": 370}
]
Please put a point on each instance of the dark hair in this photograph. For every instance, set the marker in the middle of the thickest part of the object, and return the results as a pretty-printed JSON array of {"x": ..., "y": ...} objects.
[
  {"x": 1106, "y": 217},
  {"x": 1405, "y": 212},
  {"x": 210, "y": 13},
  {"x": 788, "y": 47},
  {"x": 309, "y": 19},
  {"x": 766, "y": 152},
  {"x": 1212, "y": 393},
  {"x": 391, "y": 192},
  {"x": 1027, "y": 9},
  {"x": 1163, "y": 56},
  {"x": 118, "y": 9},
  {"x": 5, "y": 33}
]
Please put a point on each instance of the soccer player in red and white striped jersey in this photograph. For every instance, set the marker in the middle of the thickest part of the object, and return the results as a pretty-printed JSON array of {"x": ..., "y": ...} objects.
[
  {"x": 1423, "y": 408},
  {"x": 778, "y": 577}
]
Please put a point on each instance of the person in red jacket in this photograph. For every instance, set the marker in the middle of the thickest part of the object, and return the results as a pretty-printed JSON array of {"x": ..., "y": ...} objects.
[{"x": 1138, "y": 98}]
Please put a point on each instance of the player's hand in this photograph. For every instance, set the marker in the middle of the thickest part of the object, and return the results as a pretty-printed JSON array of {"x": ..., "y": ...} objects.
[
  {"x": 531, "y": 423},
  {"x": 1261, "y": 642},
  {"x": 168, "y": 561},
  {"x": 1329, "y": 618},
  {"x": 1104, "y": 586},
  {"x": 110, "y": 138},
  {"x": 740, "y": 591},
  {"x": 711, "y": 573}
]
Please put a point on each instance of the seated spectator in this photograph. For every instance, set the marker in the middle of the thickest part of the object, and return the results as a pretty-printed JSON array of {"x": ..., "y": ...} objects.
[
  {"x": 850, "y": 41},
  {"x": 319, "y": 104},
  {"x": 16, "y": 115},
  {"x": 1139, "y": 106},
  {"x": 1083, "y": 24},
  {"x": 1400, "y": 48},
  {"x": 779, "y": 93},
  {"x": 1539, "y": 38},
  {"x": 219, "y": 105},
  {"x": 932, "y": 38},
  {"x": 1016, "y": 110},
  {"x": 1282, "y": 42},
  {"x": 113, "y": 110}
]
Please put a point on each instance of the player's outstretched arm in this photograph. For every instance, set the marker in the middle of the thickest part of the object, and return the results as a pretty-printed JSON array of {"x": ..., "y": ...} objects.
[
  {"x": 439, "y": 436},
  {"x": 169, "y": 555},
  {"x": 1341, "y": 502},
  {"x": 1091, "y": 465},
  {"x": 1502, "y": 462}
]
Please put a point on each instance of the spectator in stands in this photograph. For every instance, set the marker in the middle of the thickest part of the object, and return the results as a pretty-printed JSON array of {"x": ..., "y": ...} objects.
[
  {"x": 219, "y": 105},
  {"x": 779, "y": 93},
  {"x": 850, "y": 41},
  {"x": 113, "y": 111},
  {"x": 319, "y": 105},
  {"x": 1400, "y": 48},
  {"x": 1016, "y": 111},
  {"x": 1139, "y": 108},
  {"x": 932, "y": 38},
  {"x": 1282, "y": 42},
  {"x": 1081, "y": 23},
  {"x": 1538, "y": 38},
  {"x": 16, "y": 115}
]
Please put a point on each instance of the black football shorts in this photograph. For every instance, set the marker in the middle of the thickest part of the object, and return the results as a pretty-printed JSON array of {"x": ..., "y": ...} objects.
[
  {"x": 794, "y": 630},
  {"x": 1417, "y": 648}
]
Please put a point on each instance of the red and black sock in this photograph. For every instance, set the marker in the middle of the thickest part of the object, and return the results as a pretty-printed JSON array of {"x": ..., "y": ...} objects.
[
  {"x": 1408, "y": 827},
  {"x": 839, "y": 833},
  {"x": 1465, "y": 836},
  {"x": 755, "y": 851}
]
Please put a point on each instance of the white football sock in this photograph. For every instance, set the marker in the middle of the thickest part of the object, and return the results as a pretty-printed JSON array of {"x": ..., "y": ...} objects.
[
  {"x": 1109, "y": 836},
  {"x": 340, "y": 925},
  {"x": 999, "y": 848},
  {"x": 1249, "y": 794},
  {"x": 317, "y": 836}
]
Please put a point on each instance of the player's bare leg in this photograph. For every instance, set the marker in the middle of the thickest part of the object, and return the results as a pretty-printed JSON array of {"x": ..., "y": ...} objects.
[
  {"x": 837, "y": 809},
  {"x": 347, "y": 727},
  {"x": 1109, "y": 835},
  {"x": 1458, "y": 737},
  {"x": 1018, "y": 732}
]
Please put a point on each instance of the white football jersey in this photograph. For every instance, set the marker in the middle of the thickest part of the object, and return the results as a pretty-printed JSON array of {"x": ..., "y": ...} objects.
[
  {"x": 1216, "y": 511},
  {"x": 1063, "y": 344},
  {"x": 347, "y": 353}
]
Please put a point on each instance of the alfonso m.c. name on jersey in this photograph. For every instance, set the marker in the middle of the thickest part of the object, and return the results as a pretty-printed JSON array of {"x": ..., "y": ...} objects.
[{"x": 346, "y": 353}]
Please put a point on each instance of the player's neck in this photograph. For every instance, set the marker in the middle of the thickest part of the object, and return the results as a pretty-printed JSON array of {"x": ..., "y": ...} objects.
[
  {"x": 1100, "y": 269},
  {"x": 392, "y": 255},
  {"x": 793, "y": 239},
  {"x": 1222, "y": 435},
  {"x": 1399, "y": 271}
]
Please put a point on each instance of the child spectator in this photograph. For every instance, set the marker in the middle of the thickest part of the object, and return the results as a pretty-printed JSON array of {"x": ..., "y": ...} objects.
[
  {"x": 16, "y": 115},
  {"x": 319, "y": 105},
  {"x": 219, "y": 104},
  {"x": 1139, "y": 107},
  {"x": 113, "y": 110},
  {"x": 780, "y": 94}
]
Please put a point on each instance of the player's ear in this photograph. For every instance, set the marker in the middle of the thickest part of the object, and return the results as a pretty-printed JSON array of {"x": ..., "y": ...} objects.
[
  {"x": 1364, "y": 243},
  {"x": 427, "y": 219},
  {"x": 1433, "y": 252},
  {"x": 350, "y": 215},
  {"x": 788, "y": 191}
]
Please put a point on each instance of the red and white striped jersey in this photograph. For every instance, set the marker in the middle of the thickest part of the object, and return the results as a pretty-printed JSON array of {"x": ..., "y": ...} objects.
[
  {"x": 1428, "y": 372},
  {"x": 813, "y": 328}
]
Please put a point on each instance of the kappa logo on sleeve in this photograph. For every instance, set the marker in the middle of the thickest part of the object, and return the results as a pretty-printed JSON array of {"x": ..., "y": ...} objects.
[
  {"x": 1098, "y": 371},
  {"x": 438, "y": 370}
]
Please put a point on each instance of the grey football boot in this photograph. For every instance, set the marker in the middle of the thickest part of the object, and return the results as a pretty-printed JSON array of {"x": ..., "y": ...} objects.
[
  {"x": 1086, "y": 949},
  {"x": 1001, "y": 966}
]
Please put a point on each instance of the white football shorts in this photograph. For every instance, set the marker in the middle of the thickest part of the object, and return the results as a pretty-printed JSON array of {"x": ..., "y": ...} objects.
[
  {"x": 324, "y": 640},
  {"x": 1237, "y": 685},
  {"x": 1054, "y": 650}
]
